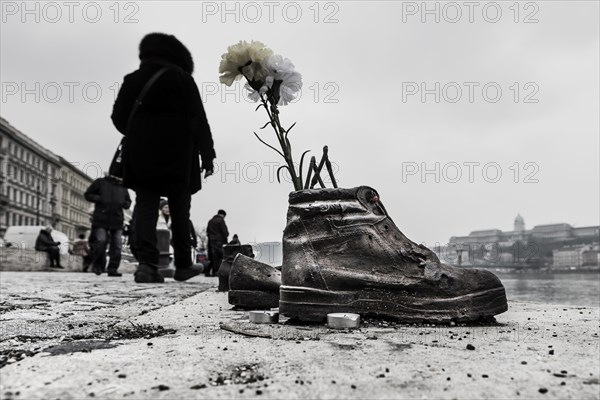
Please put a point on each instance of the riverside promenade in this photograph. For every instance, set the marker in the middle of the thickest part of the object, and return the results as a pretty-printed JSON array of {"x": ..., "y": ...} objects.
[{"x": 69, "y": 335}]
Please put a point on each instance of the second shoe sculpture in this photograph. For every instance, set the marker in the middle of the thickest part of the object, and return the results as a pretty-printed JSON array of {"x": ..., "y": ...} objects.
[
  {"x": 229, "y": 253},
  {"x": 343, "y": 253},
  {"x": 253, "y": 284}
]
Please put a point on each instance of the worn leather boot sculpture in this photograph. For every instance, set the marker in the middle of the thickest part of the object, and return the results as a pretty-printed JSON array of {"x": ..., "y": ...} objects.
[
  {"x": 229, "y": 253},
  {"x": 253, "y": 284},
  {"x": 343, "y": 253}
]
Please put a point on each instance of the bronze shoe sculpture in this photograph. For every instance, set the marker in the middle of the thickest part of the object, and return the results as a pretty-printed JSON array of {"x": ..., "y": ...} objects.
[
  {"x": 253, "y": 285},
  {"x": 229, "y": 253},
  {"x": 343, "y": 253}
]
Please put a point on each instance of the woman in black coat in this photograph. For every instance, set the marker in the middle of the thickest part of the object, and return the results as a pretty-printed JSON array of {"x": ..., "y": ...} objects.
[{"x": 163, "y": 140}]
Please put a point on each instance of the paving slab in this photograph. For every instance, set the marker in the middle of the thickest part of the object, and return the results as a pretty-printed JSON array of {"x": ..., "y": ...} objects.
[{"x": 184, "y": 341}]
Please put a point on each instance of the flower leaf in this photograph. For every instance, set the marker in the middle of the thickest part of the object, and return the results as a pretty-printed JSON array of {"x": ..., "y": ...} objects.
[
  {"x": 265, "y": 125},
  {"x": 289, "y": 129},
  {"x": 302, "y": 162},
  {"x": 279, "y": 169},
  {"x": 268, "y": 145},
  {"x": 312, "y": 166}
]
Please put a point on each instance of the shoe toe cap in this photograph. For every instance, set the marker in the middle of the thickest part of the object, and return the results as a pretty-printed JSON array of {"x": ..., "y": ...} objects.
[
  {"x": 485, "y": 280},
  {"x": 461, "y": 281}
]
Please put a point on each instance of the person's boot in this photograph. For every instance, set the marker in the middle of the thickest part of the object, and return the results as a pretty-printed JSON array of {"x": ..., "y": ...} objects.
[
  {"x": 111, "y": 269},
  {"x": 253, "y": 284},
  {"x": 343, "y": 253},
  {"x": 147, "y": 273},
  {"x": 98, "y": 270},
  {"x": 183, "y": 274},
  {"x": 229, "y": 253}
]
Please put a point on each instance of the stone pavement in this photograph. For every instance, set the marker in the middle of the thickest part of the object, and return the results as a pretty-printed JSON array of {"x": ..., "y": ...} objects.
[{"x": 76, "y": 336}]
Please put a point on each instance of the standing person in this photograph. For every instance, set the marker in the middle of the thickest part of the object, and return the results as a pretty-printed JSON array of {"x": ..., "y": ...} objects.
[
  {"x": 165, "y": 133},
  {"x": 235, "y": 239},
  {"x": 164, "y": 215},
  {"x": 44, "y": 242},
  {"x": 81, "y": 248},
  {"x": 110, "y": 197},
  {"x": 164, "y": 222},
  {"x": 217, "y": 236}
]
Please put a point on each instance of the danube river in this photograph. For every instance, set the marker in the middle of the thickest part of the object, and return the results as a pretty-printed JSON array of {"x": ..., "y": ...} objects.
[{"x": 578, "y": 289}]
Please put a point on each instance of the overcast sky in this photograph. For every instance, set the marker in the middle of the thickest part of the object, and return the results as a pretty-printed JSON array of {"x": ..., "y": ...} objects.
[{"x": 499, "y": 102}]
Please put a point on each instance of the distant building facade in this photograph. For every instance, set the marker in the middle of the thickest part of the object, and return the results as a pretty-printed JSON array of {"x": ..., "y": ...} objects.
[
  {"x": 38, "y": 187},
  {"x": 576, "y": 257},
  {"x": 74, "y": 208},
  {"x": 558, "y": 246}
]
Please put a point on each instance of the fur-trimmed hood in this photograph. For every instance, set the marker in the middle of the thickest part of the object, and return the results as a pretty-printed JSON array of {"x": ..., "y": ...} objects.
[{"x": 168, "y": 48}]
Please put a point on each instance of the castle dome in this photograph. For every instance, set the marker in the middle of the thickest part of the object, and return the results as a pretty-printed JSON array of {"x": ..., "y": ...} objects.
[{"x": 519, "y": 223}]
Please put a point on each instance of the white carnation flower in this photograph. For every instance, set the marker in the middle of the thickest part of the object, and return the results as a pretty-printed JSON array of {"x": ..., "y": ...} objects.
[
  {"x": 282, "y": 70},
  {"x": 244, "y": 58}
]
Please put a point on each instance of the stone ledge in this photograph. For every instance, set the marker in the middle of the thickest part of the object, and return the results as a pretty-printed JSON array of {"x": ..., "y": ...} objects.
[{"x": 19, "y": 259}]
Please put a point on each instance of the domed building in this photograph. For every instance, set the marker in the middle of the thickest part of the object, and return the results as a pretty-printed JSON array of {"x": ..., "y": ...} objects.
[
  {"x": 526, "y": 248},
  {"x": 519, "y": 224}
]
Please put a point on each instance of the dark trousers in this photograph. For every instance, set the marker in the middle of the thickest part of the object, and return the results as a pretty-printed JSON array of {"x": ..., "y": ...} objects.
[
  {"x": 86, "y": 262},
  {"x": 106, "y": 237},
  {"x": 216, "y": 256},
  {"x": 53, "y": 256},
  {"x": 145, "y": 227}
]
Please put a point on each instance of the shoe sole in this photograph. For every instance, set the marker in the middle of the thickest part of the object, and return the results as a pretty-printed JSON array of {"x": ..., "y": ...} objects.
[
  {"x": 180, "y": 278},
  {"x": 166, "y": 272},
  {"x": 254, "y": 299},
  {"x": 308, "y": 304},
  {"x": 146, "y": 278}
]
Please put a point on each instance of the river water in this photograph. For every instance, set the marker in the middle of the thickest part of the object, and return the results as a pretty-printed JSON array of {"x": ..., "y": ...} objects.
[{"x": 577, "y": 289}]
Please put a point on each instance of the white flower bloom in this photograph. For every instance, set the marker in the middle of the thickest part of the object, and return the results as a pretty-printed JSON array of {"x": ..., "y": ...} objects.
[
  {"x": 246, "y": 58},
  {"x": 277, "y": 64},
  {"x": 291, "y": 83},
  {"x": 279, "y": 69}
]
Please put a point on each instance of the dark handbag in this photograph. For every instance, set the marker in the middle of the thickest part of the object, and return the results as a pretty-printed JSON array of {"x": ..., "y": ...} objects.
[{"x": 116, "y": 165}]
